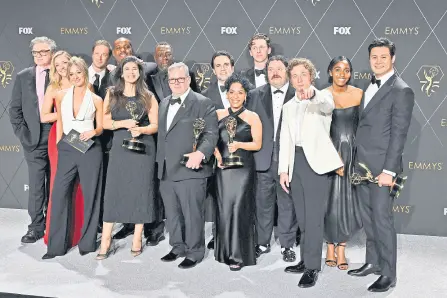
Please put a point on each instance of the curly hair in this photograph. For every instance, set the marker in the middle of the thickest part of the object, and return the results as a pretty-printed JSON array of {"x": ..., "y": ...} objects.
[
  {"x": 307, "y": 65},
  {"x": 237, "y": 78}
]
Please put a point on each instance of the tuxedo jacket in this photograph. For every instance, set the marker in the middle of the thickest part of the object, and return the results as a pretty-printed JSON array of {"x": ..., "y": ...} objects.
[
  {"x": 213, "y": 93},
  {"x": 105, "y": 83},
  {"x": 250, "y": 75},
  {"x": 260, "y": 102},
  {"x": 178, "y": 139},
  {"x": 315, "y": 135},
  {"x": 154, "y": 84},
  {"x": 383, "y": 127},
  {"x": 24, "y": 111}
]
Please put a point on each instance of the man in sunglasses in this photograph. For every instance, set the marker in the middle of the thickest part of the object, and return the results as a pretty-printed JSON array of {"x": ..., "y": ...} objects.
[{"x": 24, "y": 112}]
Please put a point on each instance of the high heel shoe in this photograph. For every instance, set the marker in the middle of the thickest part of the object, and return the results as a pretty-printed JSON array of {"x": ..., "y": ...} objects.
[
  {"x": 341, "y": 266},
  {"x": 136, "y": 253},
  {"x": 110, "y": 251},
  {"x": 329, "y": 262}
]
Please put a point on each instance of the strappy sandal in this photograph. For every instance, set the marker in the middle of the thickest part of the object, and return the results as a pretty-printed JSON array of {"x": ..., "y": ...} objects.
[
  {"x": 236, "y": 267},
  {"x": 110, "y": 251},
  {"x": 136, "y": 253},
  {"x": 342, "y": 266},
  {"x": 331, "y": 263}
]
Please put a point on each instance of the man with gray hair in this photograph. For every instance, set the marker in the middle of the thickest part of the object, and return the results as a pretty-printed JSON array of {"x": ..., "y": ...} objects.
[
  {"x": 24, "y": 112},
  {"x": 183, "y": 187}
]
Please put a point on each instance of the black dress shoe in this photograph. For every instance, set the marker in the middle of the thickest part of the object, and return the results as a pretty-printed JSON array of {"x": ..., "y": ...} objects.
[
  {"x": 31, "y": 236},
  {"x": 299, "y": 268},
  {"x": 365, "y": 270},
  {"x": 262, "y": 249},
  {"x": 383, "y": 284},
  {"x": 187, "y": 264},
  {"x": 210, "y": 244},
  {"x": 288, "y": 255},
  {"x": 154, "y": 238},
  {"x": 170, "y": 257},
  {"x": 308, "y": 279},
  {"x": 127, "y": 230},
  {"x": 48, "y": 256}
]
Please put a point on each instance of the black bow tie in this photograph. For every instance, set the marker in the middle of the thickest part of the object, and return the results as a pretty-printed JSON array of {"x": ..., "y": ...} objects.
[
  {"x": 259, "y": 72},
  {"x": 375, "y": 81},
  {"x": 278, "y": 91},
  {"x": 173, "y": 101},
  {"x": 222, "y": 88}
]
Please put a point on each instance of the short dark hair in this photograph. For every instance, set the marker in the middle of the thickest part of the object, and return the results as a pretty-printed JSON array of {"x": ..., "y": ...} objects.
[
  {"x": 237, "y": 78},
  {"x": 335, "y": 61},
  {"x": 163, "y": 43},
  {"x": 383, "y": 42},
  {"x": 277, "y": 58},
  {"x": 259, "y": 36},
  {"x": 222, "y": 53},
  {"x": 102, "y": 42}
]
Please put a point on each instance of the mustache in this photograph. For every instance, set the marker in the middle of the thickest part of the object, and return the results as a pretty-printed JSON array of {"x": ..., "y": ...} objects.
[{"x": 276, "y": 77}]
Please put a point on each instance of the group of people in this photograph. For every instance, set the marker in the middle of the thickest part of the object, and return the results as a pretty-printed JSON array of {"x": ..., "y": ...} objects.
[{"x": 295, "y": 147}]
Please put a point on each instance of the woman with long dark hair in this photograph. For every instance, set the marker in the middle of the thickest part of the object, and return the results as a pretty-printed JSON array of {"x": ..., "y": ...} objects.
[
  {"x": 342, "y": 217},
  {"x": 131, "y": 111}
]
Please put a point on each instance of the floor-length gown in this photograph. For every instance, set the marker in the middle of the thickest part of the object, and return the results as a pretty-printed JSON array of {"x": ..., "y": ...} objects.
[
  {"x": 342, "y": 218},
  {"x": 235, "y": 206},
  {"x": 129, "y": 193},
  {"x": 77, "y": 217}
]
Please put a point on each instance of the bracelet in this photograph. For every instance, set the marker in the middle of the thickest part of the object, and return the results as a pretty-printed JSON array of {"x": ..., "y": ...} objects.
[{"x": 113, "y": 124}]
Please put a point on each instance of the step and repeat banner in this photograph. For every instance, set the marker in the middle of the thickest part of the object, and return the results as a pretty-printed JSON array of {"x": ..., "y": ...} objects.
[{"x": 316, "y": 29}]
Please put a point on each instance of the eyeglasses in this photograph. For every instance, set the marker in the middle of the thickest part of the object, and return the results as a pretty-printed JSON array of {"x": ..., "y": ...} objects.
[
  {"x": 40, "y": 53},
  {"x": 178, "y": 80}
]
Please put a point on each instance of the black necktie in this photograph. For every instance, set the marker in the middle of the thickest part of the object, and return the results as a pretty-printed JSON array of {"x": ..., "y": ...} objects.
[
  {"x": 278, "y": 91},
  {"x": 375, "y": 81},
  {"x": 173, "y": 101},
  {"x": 259, "y": 72},
  {"x": 222, "y": 88},
  {"x": 96, "y": 84},
  {"x": 47, "y": 78}
]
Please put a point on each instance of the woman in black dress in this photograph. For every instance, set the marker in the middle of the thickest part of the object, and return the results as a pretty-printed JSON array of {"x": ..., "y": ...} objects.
[
  {"x": 235, "y": 209},
  {"x": 130, "y": 110},
  {"x": 342, "y": 218}
]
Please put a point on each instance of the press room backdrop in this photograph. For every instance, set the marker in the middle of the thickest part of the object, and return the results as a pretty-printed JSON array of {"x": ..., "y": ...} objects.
[{"x": 316, "y": 29}]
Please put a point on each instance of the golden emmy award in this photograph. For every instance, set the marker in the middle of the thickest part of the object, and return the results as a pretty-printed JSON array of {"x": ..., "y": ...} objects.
[
  {"x": 395, "y": 188},
  {"x": 232, "y": 160},
  {"x": 134, "y": 144},
  {"x": 197, "y": 128}
]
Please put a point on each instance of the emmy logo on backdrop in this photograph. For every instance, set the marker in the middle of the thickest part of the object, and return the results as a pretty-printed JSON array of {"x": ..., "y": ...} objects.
[
  {"x": 232, "y": 160},
  {"x": 197, "y": 128},
  {"x": 430, "y": 76},
  {"x": 6, "y": 69},
  {"x": 136, "y": 113},
  {"x": 395, "y": 188},
  {"x": 203, "y": 74},
  {"x": 97, "y": 2}
]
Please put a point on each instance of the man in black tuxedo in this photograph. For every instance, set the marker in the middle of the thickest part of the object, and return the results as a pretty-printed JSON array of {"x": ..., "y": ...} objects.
[
  {"x": 385, "y": 116},
  {"x": 24, "y": 112},
  {"x": 122, "y": 47},
  {"x": 259, "y": 49},
  {"x": 223, "y": 67},
  {"x": 183, "y": 187},
  {"x": 267, "y": 102},
  {"x": 158, "y": 83}
]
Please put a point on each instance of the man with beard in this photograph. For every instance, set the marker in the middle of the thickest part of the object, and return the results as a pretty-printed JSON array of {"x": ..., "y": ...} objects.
[
  {"x": 158, "y": 82},
  {"x": 122, "y": 47},
  {"x": 223, "y": 67},
  {"x": 259, "y": 49},
  {"x": 267, "y": 102}
]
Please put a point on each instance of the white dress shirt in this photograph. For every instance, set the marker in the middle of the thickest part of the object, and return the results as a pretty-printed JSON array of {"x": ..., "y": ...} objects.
[
  {"x": 173, "y": 109},
  {"x": 223, "y": 96},
  {"x": 277, "y": 103},
  {"x": 372, "y": 88},
  {"x": 260, "y": 80},
  {"x": 92, "y": 77},
  {"x": 369, "y": 94}
]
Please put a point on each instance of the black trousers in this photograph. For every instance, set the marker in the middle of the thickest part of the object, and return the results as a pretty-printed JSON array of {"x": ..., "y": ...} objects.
[
  {"x": 309, "y": 192},
  {"x": 89, "y": 167},
  {"x": 269, "y": 193},
  {"x": 185, "y": 216},
  {"x": 39, "y": 181},
  {"x": 376, "y": 209}
]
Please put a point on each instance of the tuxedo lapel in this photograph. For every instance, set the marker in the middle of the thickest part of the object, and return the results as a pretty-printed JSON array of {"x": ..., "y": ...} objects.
[
  {"x": 33, "y": 91},
  {"x": 380, "y": 94},
  {"x": 186, "y": 105},
  {"x": 250, "y": 74},
  {"x": 267, "y": 101},
  {"x": 214, "y": 95},
  {"x": 157, "y": 86},
  {"x": 163, "y": 111},
  {"x": 289, "y": 94}
]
